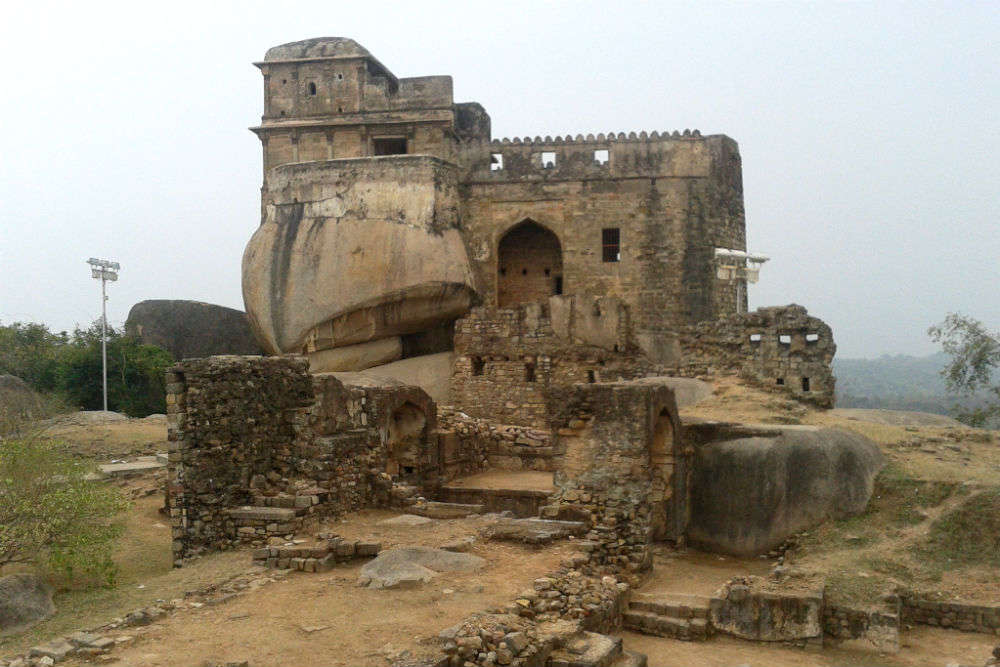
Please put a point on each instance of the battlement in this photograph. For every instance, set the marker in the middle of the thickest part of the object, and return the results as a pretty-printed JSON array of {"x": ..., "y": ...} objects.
[{"x": 601, "y": 138}]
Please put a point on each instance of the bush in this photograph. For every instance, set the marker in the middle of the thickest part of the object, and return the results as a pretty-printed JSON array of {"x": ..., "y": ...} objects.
[{"x": 52, "y": 514}]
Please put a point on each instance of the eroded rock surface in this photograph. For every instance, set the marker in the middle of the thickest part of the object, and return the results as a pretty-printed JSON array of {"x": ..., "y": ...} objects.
[
  {"x": 25, "y": 599},
  {"x": 408, "y": 566},
  {"x": 191, "y": 329}
]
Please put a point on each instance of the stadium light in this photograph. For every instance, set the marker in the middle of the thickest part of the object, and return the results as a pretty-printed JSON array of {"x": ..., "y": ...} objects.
[{"x": 104, "y": 270}]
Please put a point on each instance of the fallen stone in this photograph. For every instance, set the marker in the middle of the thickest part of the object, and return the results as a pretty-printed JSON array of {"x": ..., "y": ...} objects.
[
  {"x": 460, "y": 545},
  {"x": 406, "y": 521},
  {"x": 533, "y": 531},
  {"x": 57, "y": 650},
  {"x": 414, "y": 565}
]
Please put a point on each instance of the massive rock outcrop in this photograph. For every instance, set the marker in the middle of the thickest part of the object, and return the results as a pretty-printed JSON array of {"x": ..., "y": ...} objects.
[
  {"x": 191, "y": 329},
  {"x": 752, "y": 487},
  {"x": 355, "y": 258}
]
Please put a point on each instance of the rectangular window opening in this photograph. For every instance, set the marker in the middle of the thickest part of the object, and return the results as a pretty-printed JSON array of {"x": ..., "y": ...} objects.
[
  {"x": 529, "y": 372},
  {"x": 805, "y": 384},
  {"x": 611, "y": 250},
  {"x": 558, "y": 287},
  {"x": 785, "y": 339},
  {"x": 755, "y": 338},
  {"x": 478, "y": 365},
  {"x": 389, "y": 146},
  {"x": 496, "y": 161},
  {"x": 601, "y": 156},
  {"x": 548, "y": 159},
  {"x": 812, "y": 337},
  {"x": 779, "y": 381},
  {"x": 591, "y": 376}
]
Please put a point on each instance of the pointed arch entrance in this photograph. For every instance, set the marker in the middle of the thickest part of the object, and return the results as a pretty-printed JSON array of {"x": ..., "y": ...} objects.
[{"x": 529, "y": 264}]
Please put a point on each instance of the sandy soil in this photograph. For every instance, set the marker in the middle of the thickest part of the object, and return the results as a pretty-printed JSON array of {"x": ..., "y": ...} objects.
[
  {"x": 277, "y": 624},
  {"x": 697, "y": 573}
]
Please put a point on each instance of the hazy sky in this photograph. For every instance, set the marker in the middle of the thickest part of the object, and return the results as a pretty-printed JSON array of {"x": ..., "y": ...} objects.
[{"x": 869, "y": 136}]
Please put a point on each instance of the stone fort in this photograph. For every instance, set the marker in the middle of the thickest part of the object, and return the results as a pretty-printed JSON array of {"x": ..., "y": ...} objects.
[{"x": 394, "y": 227}]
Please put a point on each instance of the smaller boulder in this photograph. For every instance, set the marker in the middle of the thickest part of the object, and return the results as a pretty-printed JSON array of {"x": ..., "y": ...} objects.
[
  {"x": 25, "y": 599},
  {"x": 410, "y": 566}
]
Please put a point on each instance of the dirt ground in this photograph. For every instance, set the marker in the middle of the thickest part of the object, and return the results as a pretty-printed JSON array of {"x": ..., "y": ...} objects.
[
  {"x": 326, "y": 619},
  {"x": 524, "y": 480}
]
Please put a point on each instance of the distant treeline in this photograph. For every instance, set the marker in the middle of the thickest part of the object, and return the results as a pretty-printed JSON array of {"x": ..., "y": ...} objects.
[
  {"x": 68, "y": 366},
  {"x": 899, "y": 382}
]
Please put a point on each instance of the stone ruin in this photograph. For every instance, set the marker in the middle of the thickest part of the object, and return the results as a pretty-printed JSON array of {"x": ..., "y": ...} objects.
[{"x": 439, "y": 304}]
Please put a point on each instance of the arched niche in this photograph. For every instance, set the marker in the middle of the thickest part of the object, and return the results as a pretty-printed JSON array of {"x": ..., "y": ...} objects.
[{"x": 529, "y": 264}]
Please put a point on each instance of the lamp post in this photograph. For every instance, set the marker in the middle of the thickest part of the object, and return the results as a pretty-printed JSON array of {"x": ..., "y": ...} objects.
[{"x": 104, "y": 271}]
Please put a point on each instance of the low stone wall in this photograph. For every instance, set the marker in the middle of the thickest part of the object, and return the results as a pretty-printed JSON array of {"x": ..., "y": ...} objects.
[
  {"x": 257, "y": 444},
  {"x": 780, "y": 348},
  {"x": 503, "y": 446},
  {"x": 877, "y": 630},
  {"x": 951, "y": 614}
]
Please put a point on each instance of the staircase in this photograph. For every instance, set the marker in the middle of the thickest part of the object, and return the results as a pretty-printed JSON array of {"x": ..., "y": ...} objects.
[
  {"x": 674, "y": 615},
  {"x": 590, "y": 649}
]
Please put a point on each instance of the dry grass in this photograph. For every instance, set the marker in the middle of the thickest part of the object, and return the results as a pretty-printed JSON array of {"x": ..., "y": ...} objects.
[{"x": 104, "y": 442}]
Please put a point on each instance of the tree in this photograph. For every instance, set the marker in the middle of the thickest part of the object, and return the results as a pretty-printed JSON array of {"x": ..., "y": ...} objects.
[
  {"x": 136, "y": 372},
  {"x": 975, "y": 358},
  {"x": 53, "y": 513},
  {"x": 31, "y": 352}
]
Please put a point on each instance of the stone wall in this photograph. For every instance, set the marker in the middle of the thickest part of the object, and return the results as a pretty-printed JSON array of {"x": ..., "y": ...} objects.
[
  {"x": 507, "y": 359},
  {"x": 481, "y": 443},
  {"x": 780, "y": 348},
  {"x": 257, "y": 445},
  {"x": 872, "y": 629},
  {"x": 622, "y": 467},
  {"x": 951, "y": 614}
]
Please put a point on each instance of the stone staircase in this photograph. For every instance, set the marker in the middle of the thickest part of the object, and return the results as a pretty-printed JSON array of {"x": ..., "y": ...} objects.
[
  {"x": 439, "y": 510},
  {"x": 590, "y": 649},
  {"x": 674, "y": 615}
]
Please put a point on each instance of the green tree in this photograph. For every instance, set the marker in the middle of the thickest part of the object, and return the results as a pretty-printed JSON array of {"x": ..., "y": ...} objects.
[
  {"x": 54, "y": 514},
  {"x": 136, "y": 380},
  {"x": 31, "y": 352},
  {"x": 974, "y": 353}
]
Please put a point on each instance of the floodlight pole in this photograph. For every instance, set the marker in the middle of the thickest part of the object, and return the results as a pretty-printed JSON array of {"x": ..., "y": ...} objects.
[{"x": 105, "y": 270}]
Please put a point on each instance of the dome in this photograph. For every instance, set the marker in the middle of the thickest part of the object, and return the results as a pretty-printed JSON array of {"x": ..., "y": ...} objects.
[{"x": 317, "y": 47}]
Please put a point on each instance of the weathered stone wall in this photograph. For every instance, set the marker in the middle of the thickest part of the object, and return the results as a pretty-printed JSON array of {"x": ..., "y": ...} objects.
[
  {"x": 951, "y": 614},
  {"x": 873, "y": 629},
  {"x": 257, "y": 444},
  {"x": 481, "y": 443},
  {"x": 781, "y": 348},
  {"x": 622, "y": 468},
  {"x": 230, "y": 419},
  {"x": 506, "y": 359}
]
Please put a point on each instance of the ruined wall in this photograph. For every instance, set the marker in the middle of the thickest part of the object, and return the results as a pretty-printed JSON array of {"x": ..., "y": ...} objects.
[
  {"x": 482, "y": 443},
  {"x": 230, "y": 421},
  {"x": 257, "y": 445},
  {"x": 506, "y": 359},
  {"x": 621, "y": 466},
  {"x": 780, "y": 347}
]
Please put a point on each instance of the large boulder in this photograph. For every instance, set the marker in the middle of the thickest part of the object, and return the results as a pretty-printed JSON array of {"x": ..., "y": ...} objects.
[
  {"x": 25, "y": 599},
  {"x": 750, "y": 609},
  {"x": 355, "y": 251},
  {"x": 190, "y": 329},
  {"x": 750, "y": 492}
]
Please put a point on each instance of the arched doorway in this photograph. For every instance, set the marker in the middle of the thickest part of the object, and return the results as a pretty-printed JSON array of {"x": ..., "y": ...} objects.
[
  {"x": 529, "y": 265},
  {"x": 668, "y": 469}
]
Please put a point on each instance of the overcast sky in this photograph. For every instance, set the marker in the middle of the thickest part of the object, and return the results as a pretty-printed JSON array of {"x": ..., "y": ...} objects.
[{"x": 869, "y": 136}]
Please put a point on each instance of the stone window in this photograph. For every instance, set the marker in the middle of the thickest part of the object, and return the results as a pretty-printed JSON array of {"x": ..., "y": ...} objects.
[
  {"x": 340, "y": 77},
  {"x": 601, "y": 156},
  {"x": 780, "y": 382},
  {"x": 478, "y": 365},
  {"x": 389, "y": 146},
  {"x": 591, "y": 376},
  {"x": 805, "y": 384},
  {"x": 755, "y": 338},
  {"x": 312, "y": 88},
  {"x": 549, "y": 159},
  {"x": 529, "y": 372},
  {"x": 611, "y": 248},
  {"x": 785, "y": 339},
  {"x": 496, "y": 161},
  {"x": 812, "y": 337}
]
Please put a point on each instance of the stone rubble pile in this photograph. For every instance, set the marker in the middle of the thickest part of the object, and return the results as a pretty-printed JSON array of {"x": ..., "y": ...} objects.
[{"x": 314, "y": 558}]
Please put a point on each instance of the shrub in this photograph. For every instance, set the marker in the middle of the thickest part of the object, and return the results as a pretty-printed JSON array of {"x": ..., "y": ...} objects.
[{"x": 54, "y": 514}]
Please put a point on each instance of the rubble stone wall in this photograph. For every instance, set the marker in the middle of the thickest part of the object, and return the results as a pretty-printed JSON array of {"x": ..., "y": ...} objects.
[
  {"x": 781, "y": 348},
  {"x": 257, "y": 444},
  {"x": 482, "y": 443},
  {"x": 879, "y": 629},
  {"x": 507, "y": 359},
  {"x": 952, "y": 614}
]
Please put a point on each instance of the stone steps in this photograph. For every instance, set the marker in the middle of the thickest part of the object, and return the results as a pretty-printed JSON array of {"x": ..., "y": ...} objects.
[
  {"x": 319, "y": 557},
  {"x": 677, "y": 605},
  {"x": 650, "y": 623},
  {"x": 437, "y": 510},
  {"x": 534, "y": 531}
]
